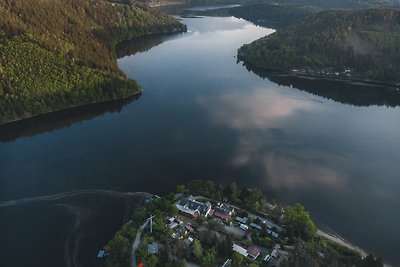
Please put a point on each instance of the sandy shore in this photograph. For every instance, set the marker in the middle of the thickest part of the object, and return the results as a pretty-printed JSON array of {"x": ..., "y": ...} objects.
[{"x": 341, "y": 241}]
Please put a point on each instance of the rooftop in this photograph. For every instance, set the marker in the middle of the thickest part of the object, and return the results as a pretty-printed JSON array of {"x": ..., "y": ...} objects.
[
  {"x": 254, "y": 251},
  {"x": 152, "y": 248},
  {"x": 240, "y": 250}
]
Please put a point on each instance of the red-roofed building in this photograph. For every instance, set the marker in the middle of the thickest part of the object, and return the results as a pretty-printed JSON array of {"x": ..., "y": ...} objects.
[
  {"x": 189, "y": 228},
  {"x": 253, "y": 252},
  {"x": 222, "y": 216}
]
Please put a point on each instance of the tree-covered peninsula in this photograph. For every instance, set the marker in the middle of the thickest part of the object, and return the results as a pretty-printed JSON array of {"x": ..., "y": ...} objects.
[
  {"x": 359, "y": 44},
  {"x": 209, "y": 224},
  {"x": 57, "y": 54}
]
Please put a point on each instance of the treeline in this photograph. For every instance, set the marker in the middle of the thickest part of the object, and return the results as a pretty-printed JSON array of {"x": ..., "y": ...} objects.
[
  {"x": 272, "y": 16},
  {"x": 366, "y": 41},
  {"x": 61, "y": 53},
  {"x": 267, "y": 15}
]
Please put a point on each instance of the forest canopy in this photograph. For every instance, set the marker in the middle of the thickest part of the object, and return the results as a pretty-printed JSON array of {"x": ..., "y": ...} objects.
[
  {"x": 57, "y": 54},
  {"x": 364, "y": 42}
]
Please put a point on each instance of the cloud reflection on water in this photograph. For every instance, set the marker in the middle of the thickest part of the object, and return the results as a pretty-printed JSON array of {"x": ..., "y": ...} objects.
[
  {"x": 257, "y": 109},
  {"x": 265, "y": 120}
]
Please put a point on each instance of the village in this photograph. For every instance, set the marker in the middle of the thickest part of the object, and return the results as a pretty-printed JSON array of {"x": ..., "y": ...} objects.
[
  {"x": 199, "y": 217},
  {"x": 192, "y": 228}
]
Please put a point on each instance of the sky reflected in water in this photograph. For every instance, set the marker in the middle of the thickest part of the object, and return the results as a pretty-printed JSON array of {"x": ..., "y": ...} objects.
[{"x": 204, "y": 116}]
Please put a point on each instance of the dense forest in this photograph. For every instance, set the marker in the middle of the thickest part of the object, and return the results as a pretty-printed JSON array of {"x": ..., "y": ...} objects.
[
  {"x": 363, "y": 42},
  {"x": 56, "y": 54},
  {"x": 267, "y": 15}
]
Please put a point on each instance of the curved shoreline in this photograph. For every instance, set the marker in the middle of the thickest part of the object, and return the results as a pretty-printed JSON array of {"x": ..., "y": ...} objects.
[{"x": 134, "y": 94}]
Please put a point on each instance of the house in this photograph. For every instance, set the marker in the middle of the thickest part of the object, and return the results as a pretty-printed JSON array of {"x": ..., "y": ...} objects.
[
  {"x": 222, "y": 213},
  {"x": 179, "y": 232},
  {"x": 230, "y": 210},
  {"x": 152, "y": 248},
  {"x": 240, "y": 250},
  {"x": 194, "y": 208},
  {"x": 173, "y": 225},
  {"x": 242, "y": 220},
  {"x": 253, "y": 252},
  {"x": 189, "y": 228},
  {"x": 256, "y": 226},
  {"x": 273, "y": 234}
]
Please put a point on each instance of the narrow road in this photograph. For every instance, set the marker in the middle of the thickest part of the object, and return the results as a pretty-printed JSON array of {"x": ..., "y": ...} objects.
[{"x": 136, "y": 243}]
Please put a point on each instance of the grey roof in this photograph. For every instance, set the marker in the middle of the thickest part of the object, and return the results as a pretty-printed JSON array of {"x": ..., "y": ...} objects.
[
  {"x": 242, "y": 220},
  {"x": 152, "y": 248},
  {"x": 194, "y": 205},
  {"x": 221, "y": 210},
  {"x": 254, "y": 225}
]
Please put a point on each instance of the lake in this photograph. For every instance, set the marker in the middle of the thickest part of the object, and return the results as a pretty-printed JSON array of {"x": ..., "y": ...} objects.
[{"x": 202, "y": 115}]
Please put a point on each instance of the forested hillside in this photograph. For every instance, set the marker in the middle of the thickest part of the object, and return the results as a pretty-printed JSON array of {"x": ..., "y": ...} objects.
[
  {"x": 56, "y": 54},
  {"x": 363, "y": 42},
  {"x": 267, "y": 15}
]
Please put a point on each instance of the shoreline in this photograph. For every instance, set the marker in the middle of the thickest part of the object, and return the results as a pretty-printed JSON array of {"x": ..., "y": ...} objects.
[
  {"x": 16, "y": 121},
  {"x": 280, "y": 73},
  {"x": 351, "y": 81},
  {"x": 343, "y": 242}
]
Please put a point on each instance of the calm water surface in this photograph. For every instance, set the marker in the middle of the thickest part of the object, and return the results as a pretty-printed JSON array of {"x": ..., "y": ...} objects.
[{"x": 204, "y": 116}]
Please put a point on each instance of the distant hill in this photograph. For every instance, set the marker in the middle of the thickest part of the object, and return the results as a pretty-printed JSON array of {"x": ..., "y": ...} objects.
[
  {"x": 363, "y": 44},
  {"x": 267, "y": 15},
  {"x": 321, "y": 4},
  {"x": 56, "y": 54}
]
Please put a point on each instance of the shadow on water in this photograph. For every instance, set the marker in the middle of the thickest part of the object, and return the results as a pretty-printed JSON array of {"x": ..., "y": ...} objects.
[
  {"x": 60, "y": 119},
  {"x": 142, "y": 44},
  {"x": 346, "y": 92}
]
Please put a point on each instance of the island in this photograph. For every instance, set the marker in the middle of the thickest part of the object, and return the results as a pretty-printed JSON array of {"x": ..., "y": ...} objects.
[
  {"x": 59, "y": 54},
  {"x": 339, "y": 44},
  {"x": 208, "y": 224}
]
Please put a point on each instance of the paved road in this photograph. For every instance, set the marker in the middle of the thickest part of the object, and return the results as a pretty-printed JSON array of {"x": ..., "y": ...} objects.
[{"x": 136, "y": 243}]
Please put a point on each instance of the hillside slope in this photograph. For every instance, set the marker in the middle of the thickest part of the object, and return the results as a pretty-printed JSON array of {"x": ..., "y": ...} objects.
[
  {"x": 56, "y": 54},
  {"x": 328, "y": 43}
]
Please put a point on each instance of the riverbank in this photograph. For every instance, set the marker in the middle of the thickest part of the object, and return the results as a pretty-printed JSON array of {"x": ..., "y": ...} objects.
[
  {"x": 19, "y": 120},
  {"x": 266, "y": 73},
  {"x": 41, "y": 75},
  {"x": 332, "y": 78},
  {"x": 341, "y": 241}
]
